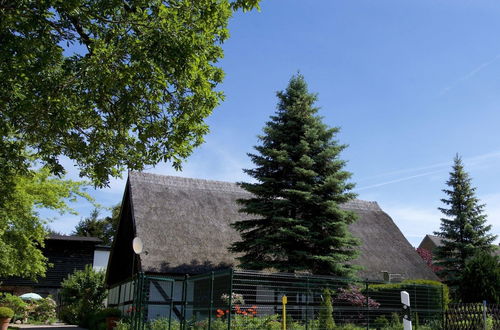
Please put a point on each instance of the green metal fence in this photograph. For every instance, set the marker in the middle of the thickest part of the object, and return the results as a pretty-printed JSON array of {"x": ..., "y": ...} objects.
[{"x": 233, "y": 299}]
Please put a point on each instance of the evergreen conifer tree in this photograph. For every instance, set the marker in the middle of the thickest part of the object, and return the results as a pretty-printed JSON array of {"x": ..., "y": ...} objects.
[
  {"x": 463, "y": 229},
  {"x": 300, "y": 185}
]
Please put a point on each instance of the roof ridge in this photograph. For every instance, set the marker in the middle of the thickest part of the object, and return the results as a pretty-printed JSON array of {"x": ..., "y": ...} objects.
[
  {"x": 216, "y": 185},
  {"x": 184, "y": 182}
]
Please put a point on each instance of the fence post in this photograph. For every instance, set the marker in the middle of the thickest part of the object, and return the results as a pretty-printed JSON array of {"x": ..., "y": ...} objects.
[
  {"x": 367, "y": 290},
  {"x": 171, "y": 304},
  {"x": 210, "y": 308},
  {"x": 184, "y": 302},
  {"x": 230, "y": 299},
  {"x": 307, "y": 305},
  {"x": 484, "y": 315},
  {"x": 443, "y": 307}
]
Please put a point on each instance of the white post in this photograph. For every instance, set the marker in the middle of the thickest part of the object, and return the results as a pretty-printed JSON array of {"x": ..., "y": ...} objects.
[{"x": 405, "y": 300}]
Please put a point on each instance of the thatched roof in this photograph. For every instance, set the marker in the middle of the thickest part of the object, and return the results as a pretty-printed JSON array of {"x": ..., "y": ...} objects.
[
  {"x": 430, "y": 242},
  {"x": 185, "y": 226}
]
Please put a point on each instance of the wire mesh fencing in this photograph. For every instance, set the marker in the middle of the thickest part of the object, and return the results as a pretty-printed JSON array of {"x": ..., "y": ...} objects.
[{"x": 233, "y": 299}]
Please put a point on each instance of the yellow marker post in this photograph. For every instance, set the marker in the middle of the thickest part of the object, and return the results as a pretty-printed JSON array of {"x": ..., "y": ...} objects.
[{"x": 284, "y": 300}]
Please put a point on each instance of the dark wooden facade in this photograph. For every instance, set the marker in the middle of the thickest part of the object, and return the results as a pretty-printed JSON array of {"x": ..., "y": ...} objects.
[{"x": 66, "y": 254}]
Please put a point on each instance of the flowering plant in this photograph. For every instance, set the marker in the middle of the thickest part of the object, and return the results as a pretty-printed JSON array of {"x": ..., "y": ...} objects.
[
  {"x": 354, "y": 297},
  {"x": 426, "y": 255},
  {"x": 251, "y": 311},
  {"x": 234, "y": 299}
]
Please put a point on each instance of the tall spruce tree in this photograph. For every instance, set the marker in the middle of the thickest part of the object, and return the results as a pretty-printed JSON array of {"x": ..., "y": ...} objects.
[
  {"x": 463, "y": 229},
  {"x": 300, "y": 185}
]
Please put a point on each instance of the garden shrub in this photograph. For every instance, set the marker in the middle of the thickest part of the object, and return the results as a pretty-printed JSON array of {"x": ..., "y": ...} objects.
[
  {"x": 480, "y": 279},
  {"x": 381, "y": 322},
  {"x": 6, "y": 312},
  {"x": 124, "y": 325},
  {"x": 98, "y": 319},
  {"x": 83, "y": 294},
  {"x": 43, "y": 311},
  {"x": 326, "y": 313},
  {"x": 15, "y": 303},
  {"x": 432, "y": 289}
]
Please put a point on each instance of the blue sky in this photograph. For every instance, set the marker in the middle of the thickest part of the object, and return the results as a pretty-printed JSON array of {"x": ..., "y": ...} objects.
[{"x": 410, "y": 83}]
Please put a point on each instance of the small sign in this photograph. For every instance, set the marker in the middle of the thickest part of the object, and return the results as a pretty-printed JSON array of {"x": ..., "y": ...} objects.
[{"x": 284, "y": 300}]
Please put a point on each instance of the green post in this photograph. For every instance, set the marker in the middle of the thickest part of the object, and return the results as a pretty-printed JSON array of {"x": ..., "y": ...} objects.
[
  {"x": 145, "y": 301},
  {"x": 119, "y": 295},
  {"x": 184, "y": 300},
  {"x": 138, "y": 308},
  {"x": 367, "y": 288},
  {"x": 307, "y": 305},
  {"x": 136, "y": 300},
  {"x": 210, "y": 309},
  {"x": 416, "y": 306},
  {"x": 171, "y": 304},
  {"x": 443, "y": 311},
  {"x": 231, "y": 271}
]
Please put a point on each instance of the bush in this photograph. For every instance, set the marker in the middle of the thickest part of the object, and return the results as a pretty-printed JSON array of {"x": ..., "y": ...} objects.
[
  {"x": 6, "y": 312},
  {"x": 481, "y": 279},
  {"x": 428, "y": 288},
  {"x": 326, "y": 313},
  {"x": 44, "y": 310},
  {"x": 98, "y": 320},
  {"x": 122, "y": 325},
  {"x": 381, "y": 322},
  {"x": 15, "y": 303},
  {"x": 83, "y": 294},
  {"x": 111, "y": 312}
]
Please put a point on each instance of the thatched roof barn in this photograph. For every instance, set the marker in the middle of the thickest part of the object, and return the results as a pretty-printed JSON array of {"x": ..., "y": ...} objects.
[
  {"x": 431, "y": 242},
  {"x": 185, "y": 227}
]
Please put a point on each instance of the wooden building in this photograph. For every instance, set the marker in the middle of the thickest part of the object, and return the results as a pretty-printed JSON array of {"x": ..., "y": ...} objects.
[{"x": 66, "y": 254}]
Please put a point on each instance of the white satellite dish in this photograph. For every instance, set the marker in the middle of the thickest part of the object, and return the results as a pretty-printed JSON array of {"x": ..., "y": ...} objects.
[{"x": 137, "y": 245}]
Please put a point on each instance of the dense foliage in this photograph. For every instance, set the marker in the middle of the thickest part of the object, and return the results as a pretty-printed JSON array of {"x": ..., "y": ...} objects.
[
  {"x": 437, "y": 292},
  {"x": 103, "y": 228},
  {"x": 480, "y": 279},
  {"x": 300, "y": 185},
  {"x": 15, "y": 303},
  {"x": 34, "y": 311},
  {"x": 108, "y": 83},
  {"x": 463, "y": 227},
  {"x": 22, "y": 231},
  {"x": 6, "y": 312},
  {"x": 83, "y": 295},
  {"x": 325, "y": 316}
]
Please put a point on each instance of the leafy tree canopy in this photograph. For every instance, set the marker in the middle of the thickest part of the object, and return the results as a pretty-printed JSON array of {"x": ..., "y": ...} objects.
[
  {"x": 108, "y": 83},
  {"x": 103, "y": 228},
  {"x": 22, "y": 230},
  {"x": 463, "y": 227},
  {"x": 300, "y": 185}
]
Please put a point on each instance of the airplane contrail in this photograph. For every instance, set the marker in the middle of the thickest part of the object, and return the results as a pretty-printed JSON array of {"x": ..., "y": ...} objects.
[
  {"x": 398, "y": 180},
  {"x": 443, "y": 166},
  {"x": 469, "y": 75}
]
